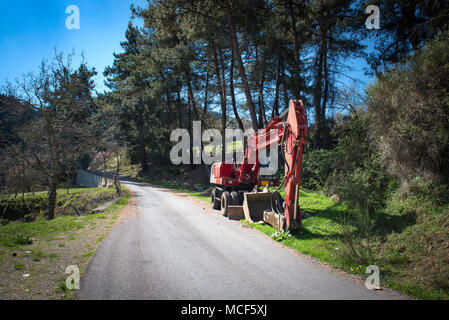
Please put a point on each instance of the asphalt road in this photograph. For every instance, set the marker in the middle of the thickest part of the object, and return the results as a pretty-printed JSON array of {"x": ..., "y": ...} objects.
[{"x": 175, "y": 249}]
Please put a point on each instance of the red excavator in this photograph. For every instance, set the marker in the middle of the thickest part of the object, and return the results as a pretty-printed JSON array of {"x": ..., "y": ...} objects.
[{"x": 237, "y": 186}]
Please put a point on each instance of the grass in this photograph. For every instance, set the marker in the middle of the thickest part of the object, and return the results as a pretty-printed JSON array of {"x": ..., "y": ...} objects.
[
  {"x": 54, "y": 245},
  {"x": 400, "y": 243},
  {"x": 72, "y": 201},
  {"x": 321, "y": 234},
  {"x": 19, "y": 266}
]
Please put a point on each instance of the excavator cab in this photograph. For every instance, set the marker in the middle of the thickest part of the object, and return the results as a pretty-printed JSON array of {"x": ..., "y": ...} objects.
[{"x": 273, "y": 169}]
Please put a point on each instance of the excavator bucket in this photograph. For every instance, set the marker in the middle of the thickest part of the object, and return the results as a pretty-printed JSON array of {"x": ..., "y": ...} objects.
[
  {"x": 275, "y": 219},
  {"x": 257, "y": 208},
  {"x": 254, "y": 205}
]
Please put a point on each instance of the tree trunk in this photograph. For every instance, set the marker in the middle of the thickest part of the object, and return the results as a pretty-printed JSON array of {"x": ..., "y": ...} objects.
[
  {"x": 238, "y": 55},
  {"x": 284, "y": 85},
  {"x": 118, "y": 162},
  {"x": 325, "y": 97},
  {"x": 295, "y": 46},
  {"x": 222, "y": 99},
  {"x": 275, "y": 111},
  {"x": 104, "y": 168},
  {"x": 318, "y": 91},
  {"x": 190, "y": 118},
  {"x": 52, "y": 193},
  {"x": 141, "y": 137},
  {"x": 262, "y": 115},
  {"x": 178, "y": 105},
  {"x": 231, "y": 86},
  {"x": 170, "y": 111},
  {"x": 191, "y": 96},
  {"x": 206, "y": 95}
]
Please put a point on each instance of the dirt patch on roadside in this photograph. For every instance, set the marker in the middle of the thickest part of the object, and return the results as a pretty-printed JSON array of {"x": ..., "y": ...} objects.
[{"x": 130, "y": 211}]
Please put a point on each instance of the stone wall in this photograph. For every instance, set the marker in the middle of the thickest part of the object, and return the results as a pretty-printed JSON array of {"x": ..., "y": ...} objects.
[{"x": 92, "y": 180}]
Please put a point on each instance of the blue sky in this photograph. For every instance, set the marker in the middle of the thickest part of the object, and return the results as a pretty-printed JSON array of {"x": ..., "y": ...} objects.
[{"x": 30, "y": 29}]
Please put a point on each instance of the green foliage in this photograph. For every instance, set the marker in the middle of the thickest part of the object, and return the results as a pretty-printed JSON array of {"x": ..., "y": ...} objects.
[
  {"x": 21, "y": 239},
  {"x": 318, "y": 165},
  {"x": 62, "y": 287},
  {"x": 280, "y": 235},
  {"x": 364, "y": 189},
  {"x": 429, "y": 190},
  {"x": 14, "y": 115},
  {"x": 74, "y": 202},
  {"x": 402, "y": 28},
  {"x": 353, "y": 145},
  {"x": 409, "y": 114},
  {"x": 19, "y": 266}
]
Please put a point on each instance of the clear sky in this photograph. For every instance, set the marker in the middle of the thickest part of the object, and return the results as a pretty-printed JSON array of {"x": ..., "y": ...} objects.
[{"x": 30, "y": 29}]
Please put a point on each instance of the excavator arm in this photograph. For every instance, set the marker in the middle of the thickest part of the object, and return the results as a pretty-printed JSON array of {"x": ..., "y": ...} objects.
[{"x": 295, "y": 137}]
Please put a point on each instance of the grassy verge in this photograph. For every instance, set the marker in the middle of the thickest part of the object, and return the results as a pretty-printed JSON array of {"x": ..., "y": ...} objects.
[
  {"x": 320, "y": 236},
  {"x": 35, "y": 255},
  {"x": 401, "y": 245},
  {"x": 72, "y": 201}
]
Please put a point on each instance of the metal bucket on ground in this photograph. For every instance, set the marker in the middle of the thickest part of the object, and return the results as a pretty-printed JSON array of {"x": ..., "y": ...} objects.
[{"x": 254, "y": 205}]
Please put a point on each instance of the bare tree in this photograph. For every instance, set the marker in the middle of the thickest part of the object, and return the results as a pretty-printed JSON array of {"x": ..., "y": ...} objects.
[{"x": 62, "y": 130}]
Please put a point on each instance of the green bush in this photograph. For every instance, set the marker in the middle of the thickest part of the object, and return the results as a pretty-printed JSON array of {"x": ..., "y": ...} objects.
[
  {"x": 409, "y": 113},
  {"x": 318, "y": 165},
  {"x": 365, "y": 191},
  {"x": 428, "y": 190}
]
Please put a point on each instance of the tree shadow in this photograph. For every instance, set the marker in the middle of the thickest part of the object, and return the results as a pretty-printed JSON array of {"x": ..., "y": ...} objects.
[
  {"x": 305, "y": 234},
  {"x": 384, "y": 224},
  {"x": 390, "y": 223}
]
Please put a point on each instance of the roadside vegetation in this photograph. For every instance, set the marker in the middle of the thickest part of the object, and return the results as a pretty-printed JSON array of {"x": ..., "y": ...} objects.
[
  {"x": 411, "y": 254},
  {"x": 34, "y": 255},
  {"x": 30, "y": 207},
  {"x": 193, "y": 181},
  {"x": 388, "y": 168}
]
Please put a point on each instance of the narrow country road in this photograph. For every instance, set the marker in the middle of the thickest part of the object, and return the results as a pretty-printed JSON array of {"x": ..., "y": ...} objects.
[{"x": 179, "y": 249}]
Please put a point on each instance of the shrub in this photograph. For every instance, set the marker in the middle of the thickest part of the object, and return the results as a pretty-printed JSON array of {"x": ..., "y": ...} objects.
[
  {"x": 428, "y": 190},
  {"x": 280, "y": 235},
  {"x": 318, "y": 165},
  {"x": 409, "y": 113}
]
